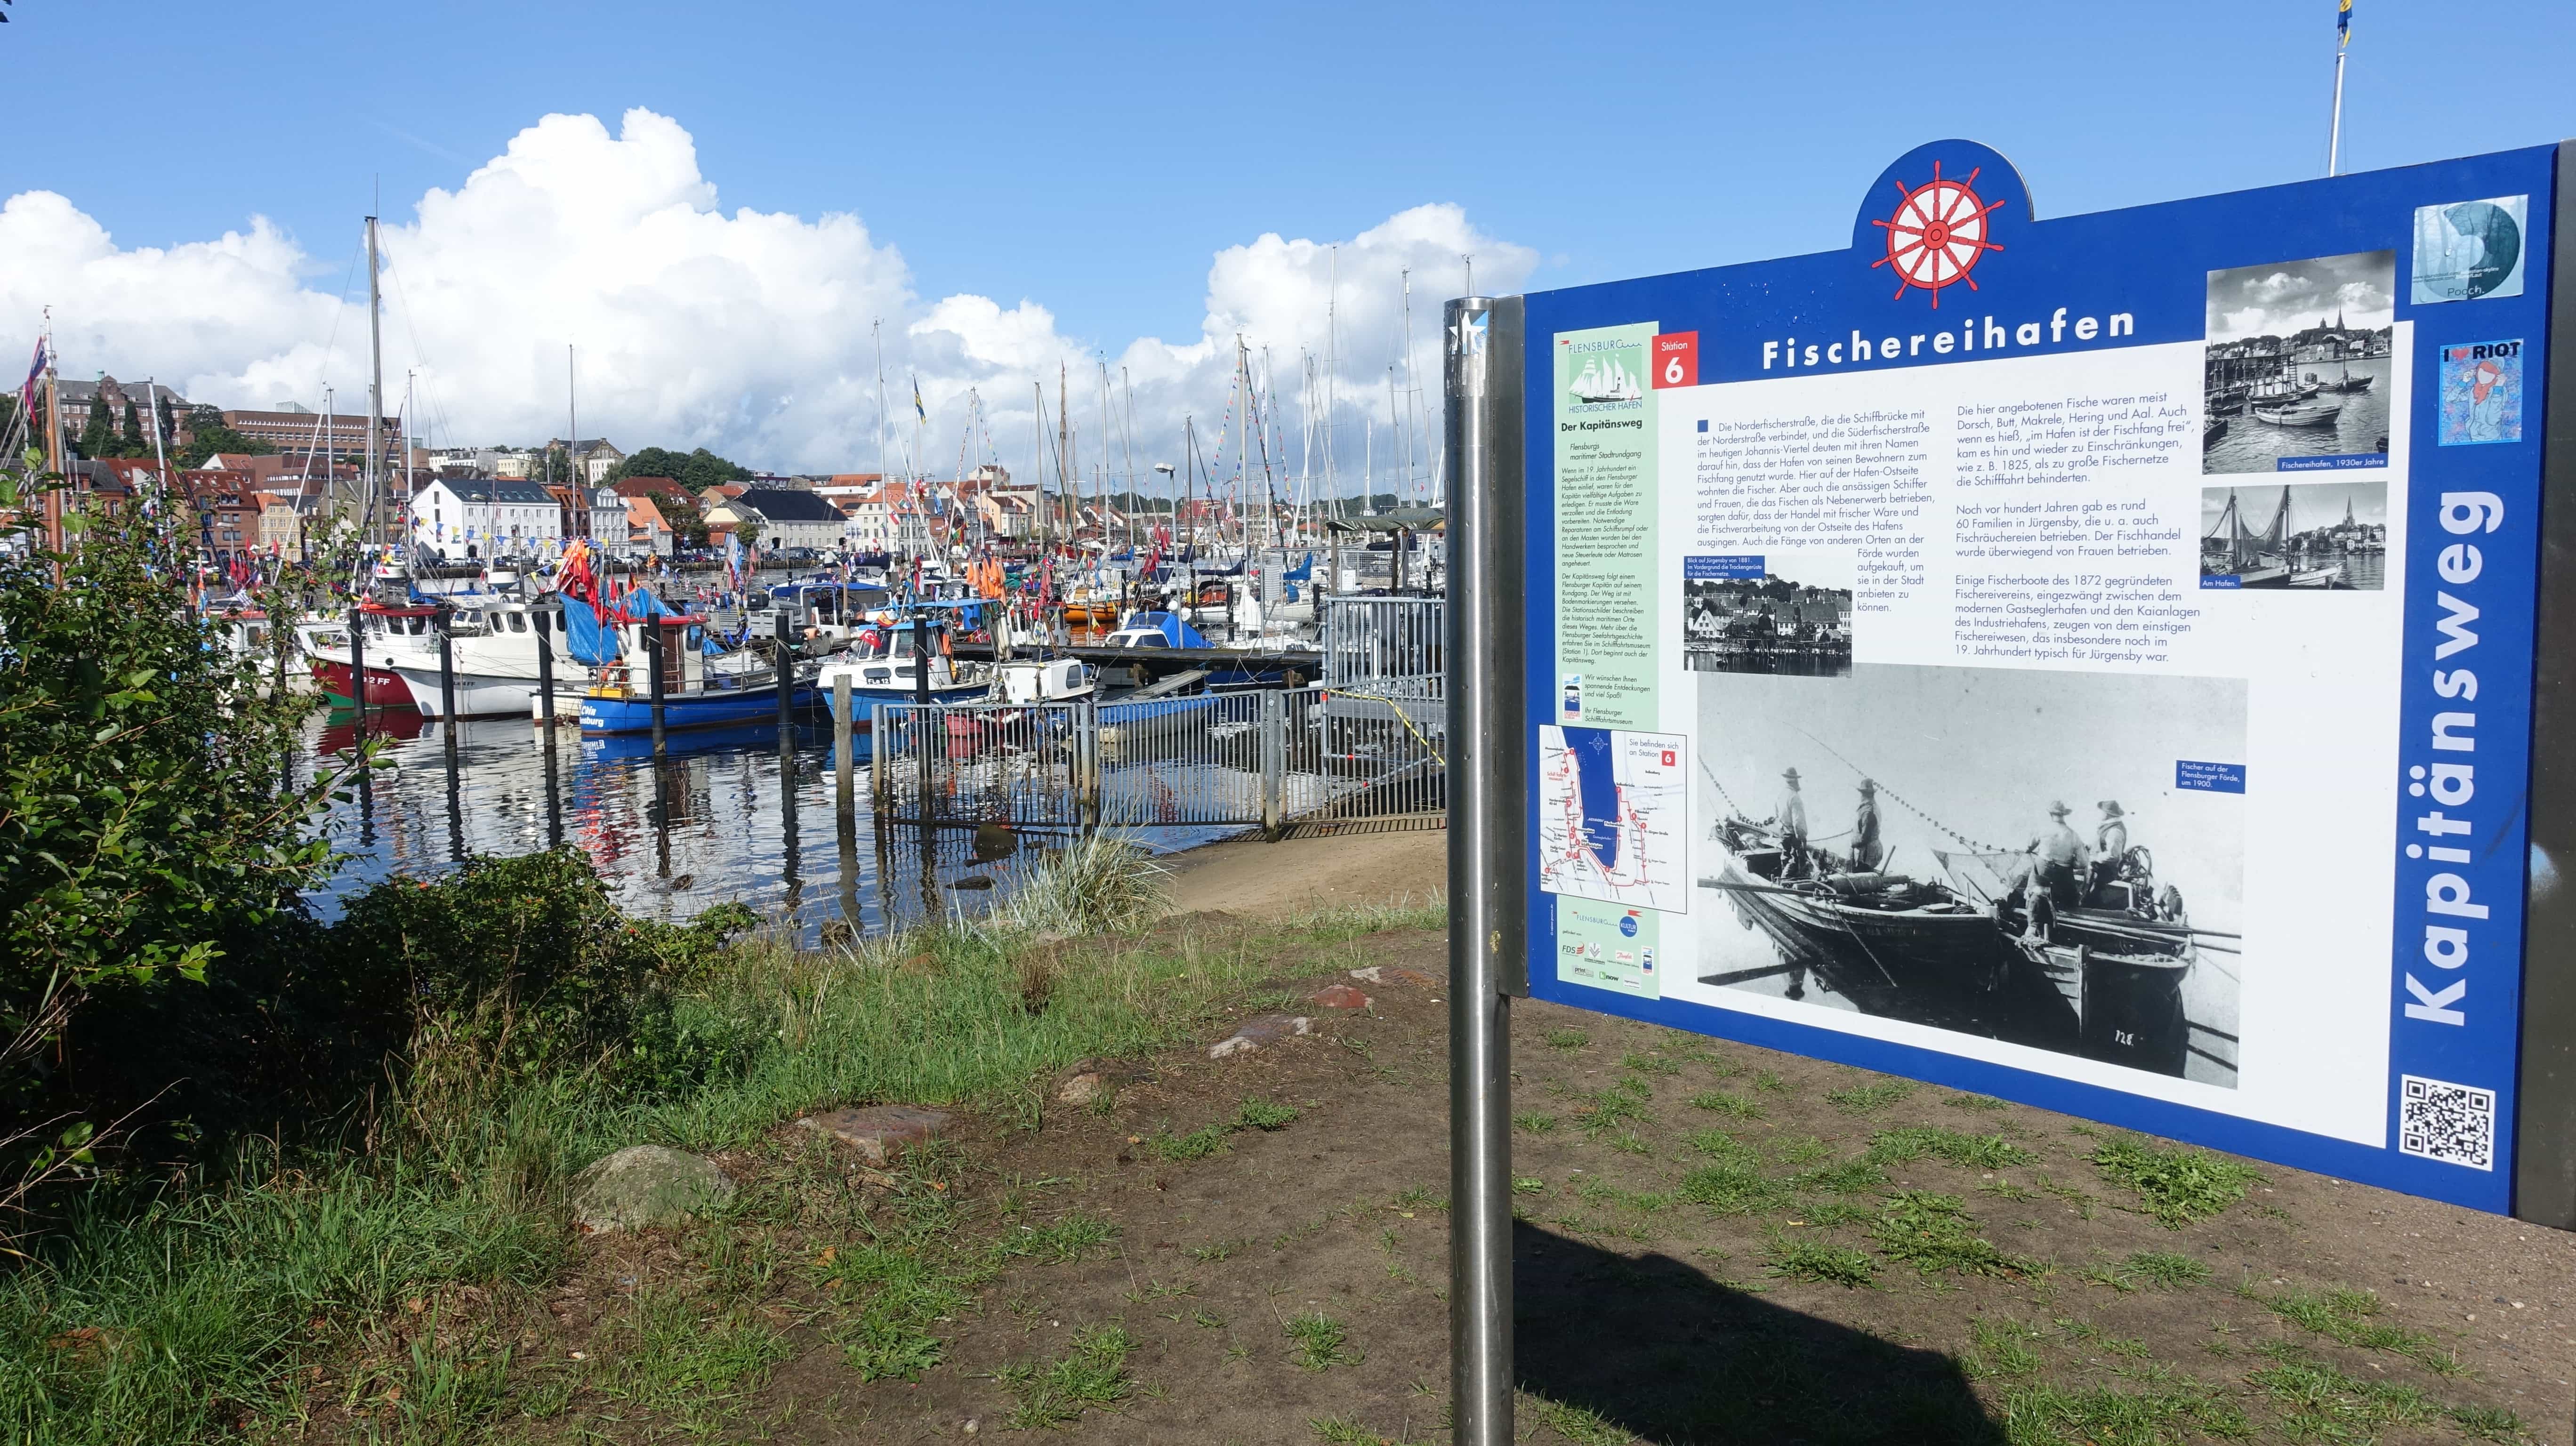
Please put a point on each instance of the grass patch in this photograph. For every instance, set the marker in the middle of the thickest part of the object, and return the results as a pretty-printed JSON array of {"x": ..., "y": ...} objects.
[
  {"x": 2177, "y": 1185},
  {"x": 1723, "y": 1103},
  {"x": 1869, "y": 1099},
  {"x": 1567, "y": 1039},
  {"x": 2319, "y": 1403},
  {"x": 1851, "y": 1177},
  {"x": 1265, "y": 1115},
  {"x": 1649, "y": 1063},
  {"x": 1091, "y": 1376},
  {"x": 2002, "y": 1350},
  {"x": 1824, "y": 1264},
  {"x": 2047, "y": 1414},
  {"x": 1935, "y": 1234},
  {"x": 1531, "y": 1122},
  {"x": 2350, "y": 1317},
  {"x": 1606, "y": 1111},
  {"x": 1975, "y": 1152},
  {"x": 1973, "y": 1102},
  {"x": 2166, "y": 1269},
  {"x": 1320, "y": 1342},
  {"x": 1577, "y": 1424},
  {"x": 1255, "y": 1113},
  {"x": 210, "y": 1293}
]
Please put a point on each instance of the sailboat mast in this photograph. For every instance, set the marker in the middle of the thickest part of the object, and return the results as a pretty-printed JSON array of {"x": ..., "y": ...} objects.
[
  {"x": 1332, "y": 366},
  {"x": 876, "y": 330},
  {"x": 572, "y": 425},
  {"x": 375, "y": 388}
]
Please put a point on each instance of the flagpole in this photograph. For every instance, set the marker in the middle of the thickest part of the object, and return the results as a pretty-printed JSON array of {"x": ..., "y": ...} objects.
[
  {"x": 2334, "y": 142},
  {"x": 2334, "y": 136}
]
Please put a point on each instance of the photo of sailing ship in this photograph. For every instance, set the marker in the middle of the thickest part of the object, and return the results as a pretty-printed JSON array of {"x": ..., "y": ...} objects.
[
  {"x": 2298, "y": 362},
  {"x": 1789, "y": 619},
  {"x": 2003, "y": 853},
  {"x": 2318, "y": 536}
]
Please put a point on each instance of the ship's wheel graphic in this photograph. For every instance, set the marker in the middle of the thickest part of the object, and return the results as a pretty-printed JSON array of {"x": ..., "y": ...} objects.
[{"x": 1936, "y": 235}]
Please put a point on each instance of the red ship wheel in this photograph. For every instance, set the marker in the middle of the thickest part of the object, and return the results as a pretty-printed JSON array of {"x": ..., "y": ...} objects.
[{"x": 1936, "y": 235}]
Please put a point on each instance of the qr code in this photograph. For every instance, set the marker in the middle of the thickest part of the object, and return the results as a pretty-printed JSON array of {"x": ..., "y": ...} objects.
[{"x": 2454, "y": 1124}]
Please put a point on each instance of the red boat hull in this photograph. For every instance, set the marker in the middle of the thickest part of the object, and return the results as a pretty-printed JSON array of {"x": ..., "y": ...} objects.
[{"x": 385, "y": 687}]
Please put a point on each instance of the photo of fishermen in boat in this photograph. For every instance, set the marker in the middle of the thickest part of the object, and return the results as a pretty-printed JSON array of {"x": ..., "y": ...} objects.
[
  {"x": 1781, "y": 612},
  {"x": 2298, "y": 363},
  {"x": 1997, "y": 852},
  {"x": 2320, "y": 536}
]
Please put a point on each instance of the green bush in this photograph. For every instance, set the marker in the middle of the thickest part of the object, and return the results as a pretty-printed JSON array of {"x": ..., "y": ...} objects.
[{"x": 534, "y": 952}]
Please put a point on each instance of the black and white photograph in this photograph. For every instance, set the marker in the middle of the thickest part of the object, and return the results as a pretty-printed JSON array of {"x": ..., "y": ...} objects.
[
  {"x": 2298, "y": 362},
  {"x": 2315, "y": 536},
  {"x": 1780, "y": 612},
  {"x": 2050, "y": 859}
]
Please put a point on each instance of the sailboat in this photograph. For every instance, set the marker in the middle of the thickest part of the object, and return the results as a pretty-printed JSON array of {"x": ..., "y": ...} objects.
[
  {"x": 2285, "y": 402},
  {"x": 1597, "y": 383}
]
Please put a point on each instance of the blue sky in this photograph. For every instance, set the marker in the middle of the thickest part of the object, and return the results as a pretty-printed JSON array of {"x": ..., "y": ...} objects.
[{"x": 1096, "y": 158}]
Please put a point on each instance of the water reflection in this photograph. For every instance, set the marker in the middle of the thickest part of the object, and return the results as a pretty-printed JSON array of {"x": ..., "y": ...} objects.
[{"x": 713, "y": 823}]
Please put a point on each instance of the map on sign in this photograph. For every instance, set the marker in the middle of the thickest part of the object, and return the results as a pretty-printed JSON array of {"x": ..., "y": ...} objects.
[{"x": 1610, "y": 820}]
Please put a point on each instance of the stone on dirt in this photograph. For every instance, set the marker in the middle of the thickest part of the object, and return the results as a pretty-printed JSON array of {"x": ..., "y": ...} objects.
[
  {"x": 1259, "y": 1030},
  {"x": 876, "y": 1130},
  {"x": 1373, "y": 974},
  {"x": 646, "y": 1186},
  {"x": 1088, "y": 1080},
  {"x": 1341, "y": 996}
]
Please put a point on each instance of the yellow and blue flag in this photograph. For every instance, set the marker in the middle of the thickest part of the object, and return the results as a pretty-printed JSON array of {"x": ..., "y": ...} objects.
[
  {"x": 2343, "y": 23},
  {"x": 923, "y": 414}
]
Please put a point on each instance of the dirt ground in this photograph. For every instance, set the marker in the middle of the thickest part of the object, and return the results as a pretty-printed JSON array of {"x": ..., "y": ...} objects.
[
  {"x": 1716, "y": 1244},
  {"x": 1254, "y": 879}
]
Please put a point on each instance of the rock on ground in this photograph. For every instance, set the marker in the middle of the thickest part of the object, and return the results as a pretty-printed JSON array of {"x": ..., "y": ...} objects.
[
  {"x": 645, "y": 1186},
  {"x": 1259, "y": 1030},
  {"x": 875, "y": 1131}
]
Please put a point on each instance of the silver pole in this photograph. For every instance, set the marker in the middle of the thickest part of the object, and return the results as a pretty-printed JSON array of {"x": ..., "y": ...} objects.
[
  {"x": 1487, "y": 893},
  {"x": 2334, "y": 138}
]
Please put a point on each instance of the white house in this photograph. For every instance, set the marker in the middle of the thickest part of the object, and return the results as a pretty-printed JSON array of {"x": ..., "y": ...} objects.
[
  {"x": 790, "y": 517},
  {"x": 474, "y": 517}
]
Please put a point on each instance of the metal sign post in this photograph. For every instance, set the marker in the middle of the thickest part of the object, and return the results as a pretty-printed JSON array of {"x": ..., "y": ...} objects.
[{"x": 1488, "y": 892}]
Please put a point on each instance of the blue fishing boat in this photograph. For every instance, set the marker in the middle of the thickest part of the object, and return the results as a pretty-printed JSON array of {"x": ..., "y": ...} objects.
[{"x": 703, "y": 684}]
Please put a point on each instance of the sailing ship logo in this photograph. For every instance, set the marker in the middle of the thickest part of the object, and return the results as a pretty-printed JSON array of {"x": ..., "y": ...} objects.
[
  {"x": 1937, "y": 234},
  {"x": 1600, "y": 382}
]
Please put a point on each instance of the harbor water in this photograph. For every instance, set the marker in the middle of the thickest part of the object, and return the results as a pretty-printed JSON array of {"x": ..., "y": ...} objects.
[{"x": 712, "y": 824}]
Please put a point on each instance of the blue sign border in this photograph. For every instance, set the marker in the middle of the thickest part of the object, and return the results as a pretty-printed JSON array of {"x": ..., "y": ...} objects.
[{"x": 2150, "y": 264}]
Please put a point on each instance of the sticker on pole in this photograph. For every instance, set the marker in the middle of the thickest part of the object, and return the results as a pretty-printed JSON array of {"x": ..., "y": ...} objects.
[{"x": 1611, "y": 825}]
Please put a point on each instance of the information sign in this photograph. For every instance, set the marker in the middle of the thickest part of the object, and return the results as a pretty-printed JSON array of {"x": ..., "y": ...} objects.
[{"x": 2088, "y": 661}]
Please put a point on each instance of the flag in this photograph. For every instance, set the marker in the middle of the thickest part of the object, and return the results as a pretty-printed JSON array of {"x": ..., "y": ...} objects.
[
  {"x": 2343, "y": 23},
  {"x": 923, "y": 413}
]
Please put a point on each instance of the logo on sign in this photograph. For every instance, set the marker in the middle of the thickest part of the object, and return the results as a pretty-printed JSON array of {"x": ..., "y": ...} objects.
[
  {"x": 1936, "y": 235},
  {"x": 1628, "y": 926}
]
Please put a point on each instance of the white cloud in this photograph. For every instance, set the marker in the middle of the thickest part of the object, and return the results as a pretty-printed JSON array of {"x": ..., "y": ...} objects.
[{"x": 747, "y": 332}]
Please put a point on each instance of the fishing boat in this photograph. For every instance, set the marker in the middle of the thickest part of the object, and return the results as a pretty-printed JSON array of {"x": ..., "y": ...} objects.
[
  {"x": 2348, "y": 383},
  {"x": 881, "y": 668},
  {"x": 2118, "y": 956},
  {"x": 1891, "y": 944},
  {"x": 385, "y": 630},
  {"x": 699, "y": 690},
  {"x": 2212, "y": 429},
  {"x": 2302, "y": 412},
  {"x": 492, "y": 665}
]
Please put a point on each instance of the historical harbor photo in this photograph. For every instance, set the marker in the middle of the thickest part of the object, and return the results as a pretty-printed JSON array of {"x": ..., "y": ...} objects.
[
  {"x": 2320, "y": 536},
  {"x": 2052, "y": 859},
  {"x": 2298, "y": 364},
  {"x": 1776, "y": 612}
]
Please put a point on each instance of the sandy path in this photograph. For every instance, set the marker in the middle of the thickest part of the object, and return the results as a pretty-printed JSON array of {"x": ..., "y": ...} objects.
[{"x": 1269, "y": 880}]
